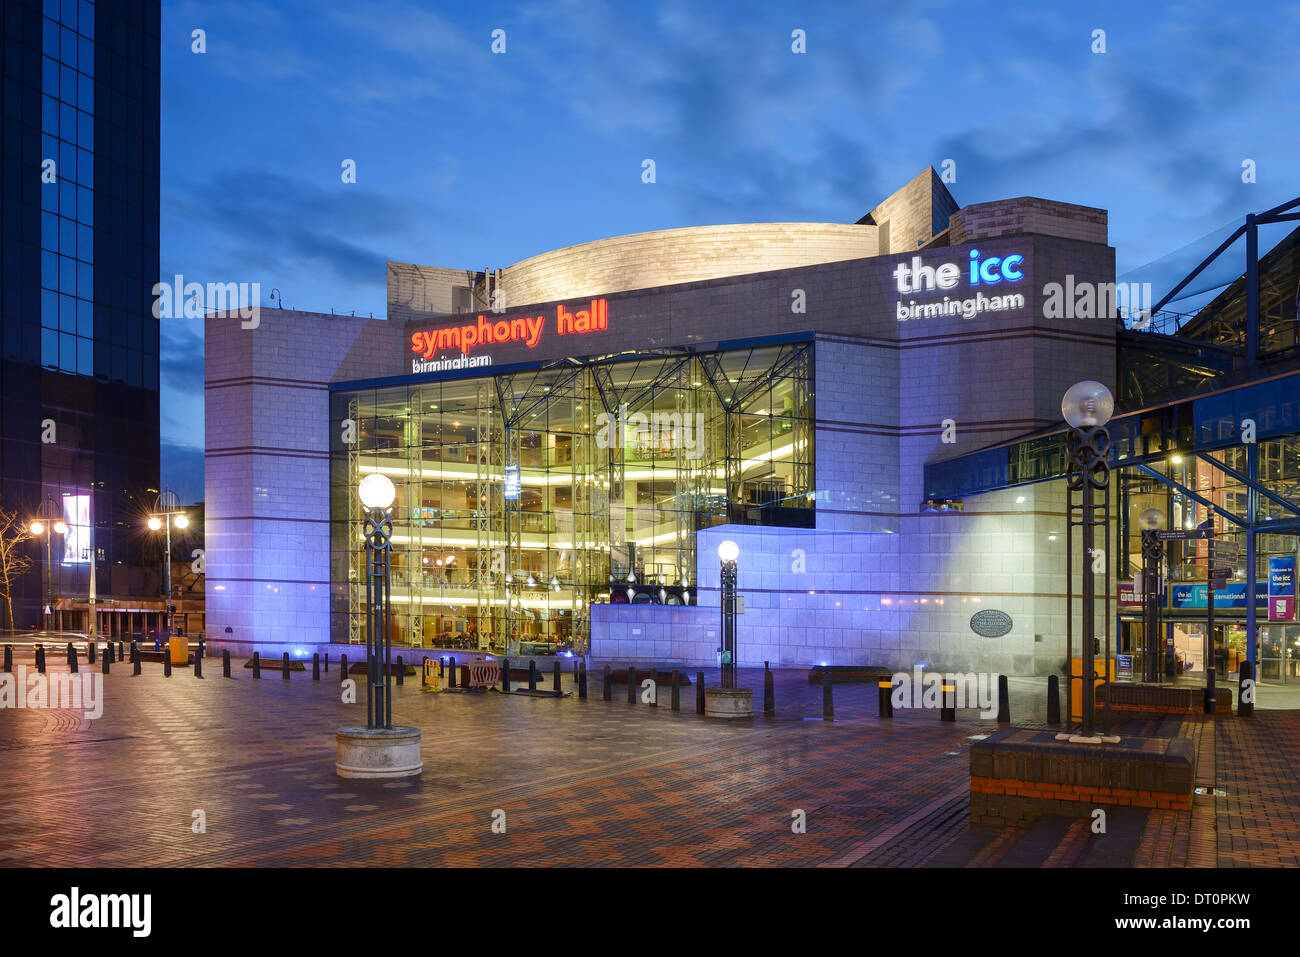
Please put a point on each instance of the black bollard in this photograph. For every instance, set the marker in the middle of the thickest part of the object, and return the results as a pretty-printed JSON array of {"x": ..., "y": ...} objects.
[
  {"x": 401, "y": 669},
  {"x": 225, "y": 662},
  {"x": 947, "y": 701},
  {"x": 631, "y": 684},
  {"x": 654, "y": 688},
  {"x": 167, "y": 665},
  {"x": 40, "y": 658},
  {"x": 885, "y": 699},
  {"x": 451, "y": 672},
  {"x": 108, "y": 652},
  {"x": 505, "y": 675},
  {"x": 9, "y": 658},
  {"x": 1053, "y": 700},
  {"x": 72, "y": 658},
  {"x": 677, "y": 691},
  {"x": 532, "y": 675},
  {"x": 606, "y": 691},
  {"x": 135, "y": 660},
  {"x": 582, "y": 680},
  {"x": 315, "y": 666},
  {"x": 202, "y": 649},
  {"x": 699, "y": 692},
  {"x": 442, "y": 667},
  {"x": 90, "y": 652},
  {"x": 343, "y": 668},
  {"x": 327, "y": 662},
  {"x": 828, "y": 701},
  {"x": 198, "y": 665},
  {"x": 1246, "y": 691},
  {"x": 1004, "y": 701},
  {"x": 769, "y": 690},
  {"x": 257, "y": 664},
  {"x": 284, "y": 666},
  {"x": 555, "y": 676}
]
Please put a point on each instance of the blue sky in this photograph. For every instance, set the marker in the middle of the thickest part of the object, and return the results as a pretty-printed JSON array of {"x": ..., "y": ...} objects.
[{"x": 470, "y": 159}]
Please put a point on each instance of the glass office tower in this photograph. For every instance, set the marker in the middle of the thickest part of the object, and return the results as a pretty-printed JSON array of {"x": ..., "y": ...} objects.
[{"x": 79, "y": 167}]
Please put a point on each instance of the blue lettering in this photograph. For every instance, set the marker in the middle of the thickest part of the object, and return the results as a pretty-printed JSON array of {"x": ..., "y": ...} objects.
[{"x": 994, "y": 269}]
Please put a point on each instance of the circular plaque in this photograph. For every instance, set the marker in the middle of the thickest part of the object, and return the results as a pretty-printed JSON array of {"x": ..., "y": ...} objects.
[{"x": 990, "y": 623}]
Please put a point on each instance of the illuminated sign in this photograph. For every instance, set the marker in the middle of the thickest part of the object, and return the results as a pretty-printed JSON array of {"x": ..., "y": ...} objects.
[
  {"x": 1281, "y": 588},
  {"x": 76, "y": 542},
  {"x": 917, "y": 277},
  {"x": 426, "y": 343},
  {"x": 512, "y": 482}
]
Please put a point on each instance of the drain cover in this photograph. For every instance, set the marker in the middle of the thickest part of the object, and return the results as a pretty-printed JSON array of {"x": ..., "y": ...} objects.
[{"x": 1216, "y": 792}]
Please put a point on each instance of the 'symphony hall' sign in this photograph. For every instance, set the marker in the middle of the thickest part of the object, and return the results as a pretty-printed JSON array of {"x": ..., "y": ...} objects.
[{"x": 426, "y": 343}]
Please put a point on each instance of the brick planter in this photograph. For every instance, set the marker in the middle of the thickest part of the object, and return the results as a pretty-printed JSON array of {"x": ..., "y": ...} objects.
[
  {"x": 1018, "y": 775},
  {"x": 1162, "y": 699}
]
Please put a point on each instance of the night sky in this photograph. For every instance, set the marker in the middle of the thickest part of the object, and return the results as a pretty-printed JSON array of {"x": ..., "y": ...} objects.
[{"x": 470, "y": 159}]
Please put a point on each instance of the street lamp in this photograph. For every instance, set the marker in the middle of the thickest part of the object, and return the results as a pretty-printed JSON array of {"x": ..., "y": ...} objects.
[
  {"x": 377, "y": 492},
  {"x": 167, "y": 510},
  {"x": 728, "y": 552},
  {"x": 1087, "y": 407},
  {"x": 47, "y": 526},
  {"x": 379, "y": 750},
  {"x": 1151, "y": 522}
]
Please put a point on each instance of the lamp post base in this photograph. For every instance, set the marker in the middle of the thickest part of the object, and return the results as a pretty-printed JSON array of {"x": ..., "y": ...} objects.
[
  {"x": 378, "y": 752},
  {"x": 729, "y": 702}
]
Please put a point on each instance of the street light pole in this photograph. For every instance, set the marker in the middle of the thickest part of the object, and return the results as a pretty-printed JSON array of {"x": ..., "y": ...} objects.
[
  {"x": 1151, "y": 521},
  {"x": 48, "y": 525},
  {"x": 168, "y": 507},
  {"x": 728, "y": 552},
  {"x": 377, "y": 493},
  {"x": 1087, "y": 407}
]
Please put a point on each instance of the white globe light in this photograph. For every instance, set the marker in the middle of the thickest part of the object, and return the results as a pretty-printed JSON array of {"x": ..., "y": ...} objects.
[
  {"x": 377, "y": 490},
  {"x": 182, "y": 521},
  {"x": 728, "y": 551},
  {"x": 60, "y": 528},
  {"x": 38, "y": 528},
  {"x": 155, "y": 523},
  {"x": 1152, "y": 518},
  {"x": 1087, "y": 404}
]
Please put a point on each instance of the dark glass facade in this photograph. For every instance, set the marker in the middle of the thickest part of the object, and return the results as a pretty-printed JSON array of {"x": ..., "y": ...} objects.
[{"x": 79, "y": 187}]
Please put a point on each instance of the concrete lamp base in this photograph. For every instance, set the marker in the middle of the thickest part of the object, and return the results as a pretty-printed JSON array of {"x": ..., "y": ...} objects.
[
  {"x": 378, "y": 752},
  {"x": 728, "y": 702}
]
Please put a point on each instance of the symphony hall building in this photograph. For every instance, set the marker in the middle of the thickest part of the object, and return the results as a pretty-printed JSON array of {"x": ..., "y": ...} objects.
[{"x": 572, "y": 436}]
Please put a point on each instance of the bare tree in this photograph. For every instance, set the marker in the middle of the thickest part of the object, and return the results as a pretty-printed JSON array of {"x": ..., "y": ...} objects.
[{"x": 14, "y": 562}]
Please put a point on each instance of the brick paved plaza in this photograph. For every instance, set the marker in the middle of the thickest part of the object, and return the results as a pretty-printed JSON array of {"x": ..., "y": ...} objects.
[{"x": 582, "y": 783}]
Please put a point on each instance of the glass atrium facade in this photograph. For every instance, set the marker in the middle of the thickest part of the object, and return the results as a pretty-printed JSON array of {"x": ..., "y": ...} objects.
[{"x": 523, "y": 497}]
